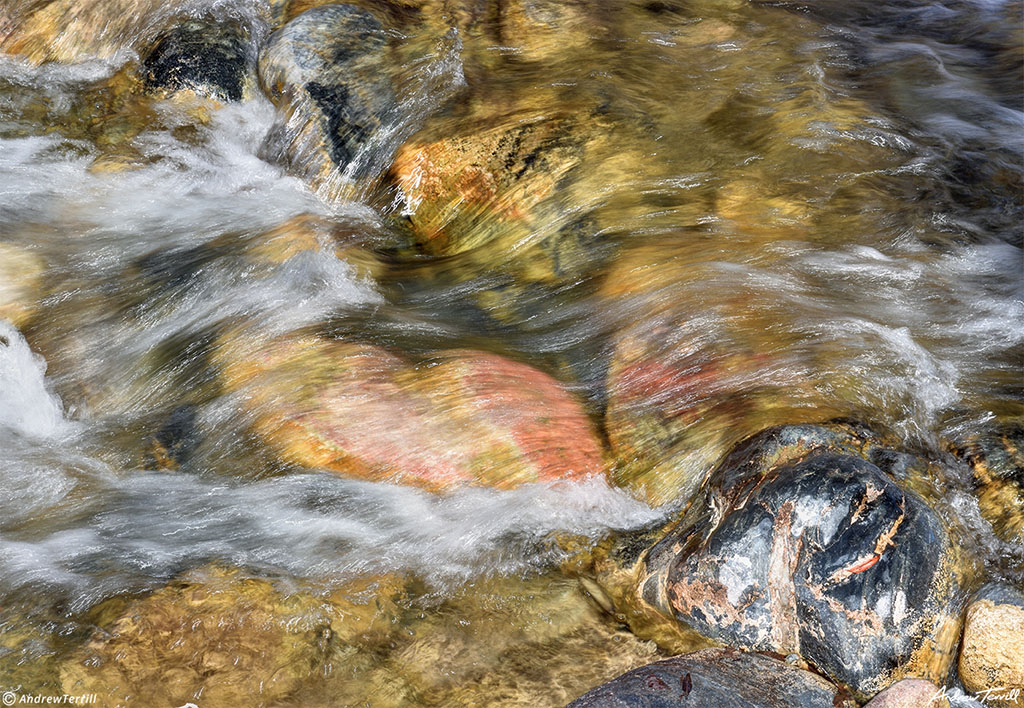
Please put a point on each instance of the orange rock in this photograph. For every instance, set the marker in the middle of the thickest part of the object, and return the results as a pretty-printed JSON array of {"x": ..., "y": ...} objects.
[
  {"x": 464, "y": 417},
  {"x": 686, "y": 382},
  {"x": 489, "y": 183}
]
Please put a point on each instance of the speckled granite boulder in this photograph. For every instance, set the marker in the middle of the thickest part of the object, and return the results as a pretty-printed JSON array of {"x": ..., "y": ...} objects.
[
  {"x": 992, "y": 656},
  {"x": 210, "y": 58},
  {"x": 717, "y": 678}
]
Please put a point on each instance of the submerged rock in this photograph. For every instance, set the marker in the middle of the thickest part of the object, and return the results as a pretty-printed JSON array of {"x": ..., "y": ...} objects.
[
  {"x": 21, "y": 274},
  {"x": 359, "y": 410},
  {"x": 222, "y": 638},
  {"x": 546, "y": 30},
  {"x": 209, "y": 58},
  {"x": 75, "y": 30},
  {"x": 328, "y": 71},
  {"x": 510, "y": 188},
  {"x": 717, "y": 678},
  {"x": 800, "y": 545},
  {"x": 687, "y": 382},
  {"x": 487, "y": 184},
  {"x": 215, "y": 636},
  {"x": 996, "y": 458},
  {"x": 992, "y": 655},
  {"x": 502, "y": 641}
]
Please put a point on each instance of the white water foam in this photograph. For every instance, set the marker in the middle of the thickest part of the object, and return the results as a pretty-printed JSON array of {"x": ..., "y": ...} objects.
[
  {"x": 27, "y": 406},
  {"x": 150, "y": 526}
]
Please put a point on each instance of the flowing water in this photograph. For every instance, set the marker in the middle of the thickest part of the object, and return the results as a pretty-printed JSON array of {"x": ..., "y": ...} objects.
[{"x": 821, "y": 206}]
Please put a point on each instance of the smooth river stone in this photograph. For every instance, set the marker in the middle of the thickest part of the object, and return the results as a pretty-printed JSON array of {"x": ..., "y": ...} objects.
[
  {"x": 717, "y": 678},
  {"x": 688, "y": 381},
  {"x": 464, "y": 417},
  {"x": 509, "y": 186},
  {"x": 546, "y": 30},
  {"x": 328, "y": 70},
  {"x": 992, "y": 655},
  {"x": 75, "y": 30},
  {"x": 800, "y": 545},
  {"x": 488, "y": 182},
  {"x": 21, "y": 274},
  {"x": 910, "y": 693}
]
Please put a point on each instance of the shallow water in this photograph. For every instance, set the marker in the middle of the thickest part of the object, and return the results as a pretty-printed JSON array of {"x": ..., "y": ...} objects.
[{"x": 822, "y": 208}]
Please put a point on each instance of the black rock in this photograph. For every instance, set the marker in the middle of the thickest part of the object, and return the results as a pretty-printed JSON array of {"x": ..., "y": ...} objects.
[
  {"x": 210, "y": 58},
  {"x": 799, "y": 544},
  {"x": 716, "y": 678}
]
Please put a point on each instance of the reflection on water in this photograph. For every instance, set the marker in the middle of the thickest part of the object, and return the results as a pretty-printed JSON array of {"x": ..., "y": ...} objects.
[{"x": 723, "y": 216}]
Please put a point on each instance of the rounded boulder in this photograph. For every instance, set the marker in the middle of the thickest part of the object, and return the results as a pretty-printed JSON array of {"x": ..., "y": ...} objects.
[{"x": 800, "y": 544}]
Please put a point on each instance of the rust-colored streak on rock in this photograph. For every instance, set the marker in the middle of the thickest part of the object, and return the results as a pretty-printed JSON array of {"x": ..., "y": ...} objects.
[{"x": 781, "y": 591}]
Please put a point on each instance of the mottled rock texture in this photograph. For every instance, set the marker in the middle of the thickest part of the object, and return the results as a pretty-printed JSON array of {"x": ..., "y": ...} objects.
[
  {"x": 328, "y": 71},
  {"x": 799, "y": 544},
  {"x": 209, "y": 58},
  {"x": 992, "y": 655},
  {"x": 462, "y": 417}
]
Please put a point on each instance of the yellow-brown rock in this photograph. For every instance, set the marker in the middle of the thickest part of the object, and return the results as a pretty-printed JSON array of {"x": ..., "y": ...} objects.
[
  {"x": 74, "y": 30},
  {"x": 362, "y": 411},
  {"x": 215, "y": 636},
  {"x": 309, "y": 232},
  {"x": 546, "y": 30},
  {"x": 490, "y": 182},
  {"x": 992, "y": 654},
  {"x": 996, "y": 458},
  {"x": 21, "y": 275},
  {"x": 502, "y": 642}
]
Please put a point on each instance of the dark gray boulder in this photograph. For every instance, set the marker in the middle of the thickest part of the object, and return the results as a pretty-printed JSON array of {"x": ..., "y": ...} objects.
[
  {"x": 328, "y": 71},
  {"x": 716, "y": 678}
]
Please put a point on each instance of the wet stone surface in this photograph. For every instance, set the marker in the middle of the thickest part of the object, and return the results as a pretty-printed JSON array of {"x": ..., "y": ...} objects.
[
  {"x": 209, "y": 58},
  {"x": 717, "y": 678},
  {"x": 992, "y": 656},
  {"x": 800, "y": 545},
  {"x": 910, "y": 693},
  {"x": 996, "y": 458},
  {"x": 362, "y": 411},
  {"x": 327, "y": 70}
]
